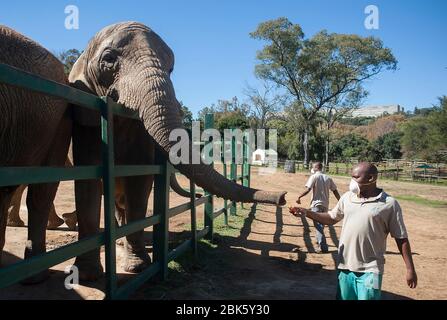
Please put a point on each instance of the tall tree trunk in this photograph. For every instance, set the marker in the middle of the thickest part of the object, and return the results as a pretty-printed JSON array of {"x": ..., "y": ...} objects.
[
  {"x": 326, "y": 154},
  {"x": 306, "y": 147}
]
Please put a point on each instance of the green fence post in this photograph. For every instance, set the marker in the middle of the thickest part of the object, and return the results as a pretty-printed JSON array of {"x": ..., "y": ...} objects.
[
  {"x": 246, "y": 164},
  {"x": 161, "y": 207},
  {"x": 108, "y": 160},
  {"x": 224, "y": 165},
  {"x": 209, "y": 208},
  {"x": 233, "y": 170},
  {"x": 192, "y": 188}
]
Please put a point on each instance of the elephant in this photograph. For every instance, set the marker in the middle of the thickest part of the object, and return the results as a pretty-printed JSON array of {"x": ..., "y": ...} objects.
[
  {"x": 131, "y": 64},
  {"x": 70, "y": 218},
  {"x": 35, "y": 130},
  {"x": 14, "y": 220}
]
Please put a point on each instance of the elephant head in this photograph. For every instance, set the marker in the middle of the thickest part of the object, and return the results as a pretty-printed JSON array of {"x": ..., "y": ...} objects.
[{"x": 132, "y": 64}]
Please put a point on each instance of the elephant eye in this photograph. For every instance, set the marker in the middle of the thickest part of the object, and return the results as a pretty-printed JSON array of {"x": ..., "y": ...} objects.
[{"x": 108, "y": 59}]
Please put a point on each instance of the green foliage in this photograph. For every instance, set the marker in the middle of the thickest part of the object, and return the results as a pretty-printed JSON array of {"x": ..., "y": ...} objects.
[
  {"x": 228, "y": 114},
  {"x": 388, "y": 146},
  {"x": 325, "y": 71},
  {"x": 350, "y": 146},
  {"x": 187, "y": 116},
  {"x": 232, "y": 120},
  {"x": 68, "y": 58},
  {"x": 424, "y": 136}
]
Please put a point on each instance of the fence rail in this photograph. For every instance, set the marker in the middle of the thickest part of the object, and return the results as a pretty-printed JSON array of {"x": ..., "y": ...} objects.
[
  {"x": 107, "y": 172},
  {"x": 396, "y": 169}
]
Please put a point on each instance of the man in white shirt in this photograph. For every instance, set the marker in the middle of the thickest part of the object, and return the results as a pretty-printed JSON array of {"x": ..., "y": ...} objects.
[
  {"x": 369, "y": 215},
  {"x": 320, "y": 184}
]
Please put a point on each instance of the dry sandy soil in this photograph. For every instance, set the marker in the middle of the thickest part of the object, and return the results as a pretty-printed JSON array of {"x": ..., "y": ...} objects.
[{"x": 270, "y": 256}]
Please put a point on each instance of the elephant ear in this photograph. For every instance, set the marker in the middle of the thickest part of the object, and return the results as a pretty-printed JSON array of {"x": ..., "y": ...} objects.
[{"x": 78, "y": 79}]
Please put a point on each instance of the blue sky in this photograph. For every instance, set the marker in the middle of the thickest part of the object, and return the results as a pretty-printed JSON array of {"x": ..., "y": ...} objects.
[{"x": 215, "y": 57}]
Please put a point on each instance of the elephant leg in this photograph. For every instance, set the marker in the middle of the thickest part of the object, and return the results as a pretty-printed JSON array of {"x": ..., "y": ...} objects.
[
  {"x": 39, "y": 201},
  {"x": 54, "y": 220},
  {"x": 70, "y": 219},
  {"x": 6, "y": 194},
  {"x": 86, "y": 151},
  {"x": 14, "y": 208},
  {"x": 137, "y": 190},
  {"x": 40, "y": 197}
]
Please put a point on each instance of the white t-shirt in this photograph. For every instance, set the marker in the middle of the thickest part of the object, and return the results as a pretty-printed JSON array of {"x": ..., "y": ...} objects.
[
  {"x": 320, "y": 185},
  {"x": 366, "y": 225}
]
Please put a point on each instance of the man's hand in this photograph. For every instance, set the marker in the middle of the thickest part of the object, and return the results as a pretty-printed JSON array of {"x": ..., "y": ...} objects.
[
  {"x": 297, "y": 212},
  {"x": 412, "y": 279}
]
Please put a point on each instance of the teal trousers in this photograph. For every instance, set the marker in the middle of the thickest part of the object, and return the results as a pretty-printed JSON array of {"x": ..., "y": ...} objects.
[{"x": 358, "y": 285}]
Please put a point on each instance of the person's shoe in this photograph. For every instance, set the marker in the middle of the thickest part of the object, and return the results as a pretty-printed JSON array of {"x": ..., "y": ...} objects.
[{"x": 322, "y": 249}]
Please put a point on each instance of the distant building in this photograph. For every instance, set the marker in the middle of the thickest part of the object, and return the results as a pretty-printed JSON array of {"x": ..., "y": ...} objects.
[
  {"x": 263, "y": 157},
  {"x": 376, "y": 111}
]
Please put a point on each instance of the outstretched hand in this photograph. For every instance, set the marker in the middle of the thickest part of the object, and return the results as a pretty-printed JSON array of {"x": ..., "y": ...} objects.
[{"x": 296, "y": 211}]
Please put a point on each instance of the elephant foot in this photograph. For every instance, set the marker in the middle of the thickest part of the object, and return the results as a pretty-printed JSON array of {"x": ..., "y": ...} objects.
[
  {"x": 136, "y": 263},
  {"x": 36, "y": 279},
  {"x": 15, "y": 223},
  {"x": 89, "y": 272},
  {"x": 70, "y": 219},
  {"x": 54, "y": 223}
]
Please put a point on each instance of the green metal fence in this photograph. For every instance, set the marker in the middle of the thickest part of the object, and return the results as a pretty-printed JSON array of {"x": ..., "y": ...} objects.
[{"x": 108, "y": 171}]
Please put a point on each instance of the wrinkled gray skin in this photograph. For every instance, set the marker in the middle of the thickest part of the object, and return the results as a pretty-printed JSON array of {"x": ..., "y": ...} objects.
[
  {"x": 34, "y": 131},
  {"x": 131, "y": 63}
]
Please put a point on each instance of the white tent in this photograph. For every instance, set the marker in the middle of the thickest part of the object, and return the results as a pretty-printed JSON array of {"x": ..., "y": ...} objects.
[{"x": 263, "y": 157}]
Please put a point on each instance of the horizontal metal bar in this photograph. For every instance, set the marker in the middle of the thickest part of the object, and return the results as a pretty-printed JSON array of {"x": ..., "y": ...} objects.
[
  {"x": 19, "y": 78},
  {"x": 181, "y": 249},
  {"x": 218, "y": 213},
  {"x": 133, "y": 284},
  {"x": 24, "y": 269},
  {"x": 172, "y": 212},
  {"x": 185, "y": 207},
  {"x": 203, "y": 232},
  {"x": 140, "y": 170},
  {"x": 11, "y": 176},
  {"x": 121, "y": 110},
  {"x": 135, "y": 226}
]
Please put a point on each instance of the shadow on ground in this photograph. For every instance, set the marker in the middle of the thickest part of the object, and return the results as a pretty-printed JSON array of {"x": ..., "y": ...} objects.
[{"x": 229, "y": 267}]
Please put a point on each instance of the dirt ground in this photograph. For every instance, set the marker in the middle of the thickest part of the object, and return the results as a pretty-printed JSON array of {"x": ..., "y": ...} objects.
[{"x": 270, "y": 256}]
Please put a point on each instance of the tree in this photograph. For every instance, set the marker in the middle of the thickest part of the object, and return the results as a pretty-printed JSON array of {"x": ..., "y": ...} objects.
[
  {"x": 228, "y": 114},
  {"x": 351, "y": 146},
  {"x": 263, "y": 104},
  {"x": 68, "y": 58},
  {"x": 187, "y": 116},
  {"x": 388, "y": 145},
  {"x": 425, "y": 136},
  {"x": 340, "y": 107},
  {"x": 319, "y": 71}
]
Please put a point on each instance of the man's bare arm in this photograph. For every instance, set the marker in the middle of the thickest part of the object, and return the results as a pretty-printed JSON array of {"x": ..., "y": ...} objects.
[
  {"x": 336, "y": 194},
  {"x": 405, "y": 251},
  {"x": 321, "y": 217},
  {"x": 303, "y": 195}
]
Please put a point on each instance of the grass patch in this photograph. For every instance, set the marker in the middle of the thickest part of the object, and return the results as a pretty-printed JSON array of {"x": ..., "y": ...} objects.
[
  {"x": 423, "y": 201},
  {"x": 199, "y": 275}
]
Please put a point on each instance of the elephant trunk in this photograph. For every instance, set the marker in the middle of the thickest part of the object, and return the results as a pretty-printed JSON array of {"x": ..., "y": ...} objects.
[{"x": 160, "y": 113}]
